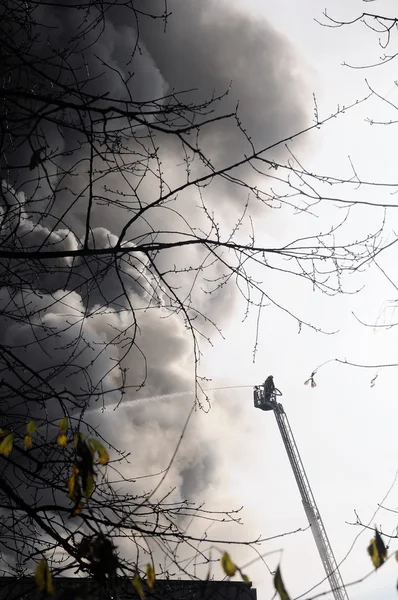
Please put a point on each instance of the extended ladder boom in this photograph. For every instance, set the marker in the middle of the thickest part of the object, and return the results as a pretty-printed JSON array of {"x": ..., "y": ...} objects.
[{"x": 268, "y": 402}]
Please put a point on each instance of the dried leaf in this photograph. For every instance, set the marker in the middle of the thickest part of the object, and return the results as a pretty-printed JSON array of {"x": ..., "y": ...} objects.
[
  {"x": 228, "y": 566},
  {"x": 150, "y": 576},
  {"x": 28, "y": 441},
  {"x": 311, "y": 380},
  {"x": 245, "y": 578},
  {"x": 31, "y": 426},
  {"x": 72, "y": 483},
  {"x": 43, "y": 577},
  {"x": 96, "y": 446},
  {"x": 36, "y": 158},
  {"x": 6, "y": 445},
  {"x": 62, "y": 440},
  {"x": 63, "y": 425},
  {"x": 377, "y": 550},
  {"x": 77, "y": 510},
  {"x": 137, "y": 585},
  {"x": 279, "y": 585}
]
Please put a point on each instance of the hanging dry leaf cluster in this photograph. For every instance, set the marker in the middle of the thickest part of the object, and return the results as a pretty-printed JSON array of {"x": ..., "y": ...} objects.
[
  {"x": 81, "y": 482},
  {"x": 377, "y": 550},
  {"x": 311, "y": 381},
  {"x": 100, "y": 554}
]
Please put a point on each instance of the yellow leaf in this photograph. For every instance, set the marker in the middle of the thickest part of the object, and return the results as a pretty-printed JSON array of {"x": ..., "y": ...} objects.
[
  {"x": 2, "y": 432},
  {"x": 28, "y": 441},
  {"x": 137, "y": 585},
  {"x": 6, "y": 445},
  {"x": 150, "y": 576},
  {"x": 72, "y": 483},
  {"x": 31, "y": 426},
  {"x": 377, "y": 550},
  {"x": 245, "y": 578},
  {"x": 43, "y": 577},
  {"x": 96, "y": 446},
  {"x": 62, "y": 440},
  {"x": 63, "y": 425},
  {"x": 279, "y": 585},
  {"x": 374, "y": 555},
  {"x": 228, "y": 566},
  {"x": 103, "y": 458}
]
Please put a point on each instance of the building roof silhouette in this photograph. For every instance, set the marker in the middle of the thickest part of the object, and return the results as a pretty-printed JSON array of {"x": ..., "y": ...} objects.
[{"x": 77, "y": 588}]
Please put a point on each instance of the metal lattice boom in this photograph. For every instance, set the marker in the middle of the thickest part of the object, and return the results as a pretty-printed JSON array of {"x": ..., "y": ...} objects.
[{"x": 265, "y": 397}]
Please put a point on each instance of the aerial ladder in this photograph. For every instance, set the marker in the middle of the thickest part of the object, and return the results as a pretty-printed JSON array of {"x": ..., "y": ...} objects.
[{"x": 265, "y": 398}]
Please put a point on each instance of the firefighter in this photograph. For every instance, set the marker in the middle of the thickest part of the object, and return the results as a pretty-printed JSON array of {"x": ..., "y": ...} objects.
[{"x": 269, "y": 388}]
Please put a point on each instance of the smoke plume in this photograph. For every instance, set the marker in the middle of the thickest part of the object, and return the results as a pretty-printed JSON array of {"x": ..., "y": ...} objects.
[{"x": 69, "y": 320}]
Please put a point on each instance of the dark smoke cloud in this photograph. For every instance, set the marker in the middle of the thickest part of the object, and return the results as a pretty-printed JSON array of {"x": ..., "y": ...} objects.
[
  {"x": 208, "y": 47},
  {"x": 205, "y": 48},
  {"x": 211, "y": 48}
]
